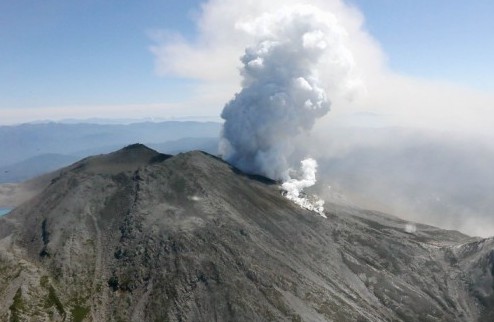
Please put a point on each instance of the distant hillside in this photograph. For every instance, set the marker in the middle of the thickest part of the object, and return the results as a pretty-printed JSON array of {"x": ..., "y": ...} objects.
[
  {"x": 34, "y": 149},
  {"x": 21, "y": 142},
  {"x": 209, "y": 145},
  {"x": 45, "y": 163},
  {"x": 34, "y": 166}
]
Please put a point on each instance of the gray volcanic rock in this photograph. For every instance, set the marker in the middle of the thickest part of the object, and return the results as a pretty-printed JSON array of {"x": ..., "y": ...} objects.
[{"x": 140, "y": 236}]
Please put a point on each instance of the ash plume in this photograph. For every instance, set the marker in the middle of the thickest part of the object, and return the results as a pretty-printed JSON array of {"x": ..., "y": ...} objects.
[{"x": 281, "y": 94}]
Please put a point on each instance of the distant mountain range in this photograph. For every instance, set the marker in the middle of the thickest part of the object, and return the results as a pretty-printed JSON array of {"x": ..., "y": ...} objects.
[{"x": 34, "y": 149}]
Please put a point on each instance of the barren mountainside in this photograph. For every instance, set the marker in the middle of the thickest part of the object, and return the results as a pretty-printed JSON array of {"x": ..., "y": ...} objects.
[{"x": 140, "y": 236}]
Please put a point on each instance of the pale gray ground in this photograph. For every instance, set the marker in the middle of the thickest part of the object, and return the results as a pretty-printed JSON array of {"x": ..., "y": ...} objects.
[{"x": 140, "y": 236}]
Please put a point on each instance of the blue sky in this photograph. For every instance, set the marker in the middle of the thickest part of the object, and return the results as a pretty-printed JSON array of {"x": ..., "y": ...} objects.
[
  {"x": 68, "y": 54},
  {"x": 440, "y": 39},
  {"x": 85, "y": 52}
]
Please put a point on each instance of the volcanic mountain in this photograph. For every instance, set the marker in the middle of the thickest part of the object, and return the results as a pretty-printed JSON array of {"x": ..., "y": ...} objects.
[{"x": 140, "y": 236}]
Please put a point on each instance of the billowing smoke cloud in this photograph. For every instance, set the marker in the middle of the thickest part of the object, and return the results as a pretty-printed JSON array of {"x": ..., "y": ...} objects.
[
  {"x": 281, "y": 94},
  {"x": 395, "y": 170}
]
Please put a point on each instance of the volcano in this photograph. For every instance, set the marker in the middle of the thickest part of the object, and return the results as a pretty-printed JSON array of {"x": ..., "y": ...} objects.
[{"x": 136, "y": 235}]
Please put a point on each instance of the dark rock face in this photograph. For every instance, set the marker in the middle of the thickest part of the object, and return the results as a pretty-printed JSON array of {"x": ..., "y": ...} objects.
[{"x": 140, "y": 236}]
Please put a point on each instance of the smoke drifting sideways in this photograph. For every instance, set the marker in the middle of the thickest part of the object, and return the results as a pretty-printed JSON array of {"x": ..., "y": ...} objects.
[{"x": 281, "y": 95}]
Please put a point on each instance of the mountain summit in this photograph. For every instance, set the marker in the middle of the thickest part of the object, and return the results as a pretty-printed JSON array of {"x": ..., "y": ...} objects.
[{"x": 136, "y": 235}]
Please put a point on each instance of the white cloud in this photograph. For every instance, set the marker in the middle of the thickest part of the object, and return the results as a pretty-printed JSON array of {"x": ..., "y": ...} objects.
[
  {"x": 214, "y": 58},
  {"x": 453, "y": 112}
]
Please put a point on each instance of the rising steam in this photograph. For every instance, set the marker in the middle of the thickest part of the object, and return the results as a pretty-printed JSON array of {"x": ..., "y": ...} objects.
[
  {"x": 294, "y": 188},
  {"x": 281, "y": 94}
]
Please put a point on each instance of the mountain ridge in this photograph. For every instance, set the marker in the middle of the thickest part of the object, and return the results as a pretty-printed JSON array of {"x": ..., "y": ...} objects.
[{"x": 140, "y": 236}]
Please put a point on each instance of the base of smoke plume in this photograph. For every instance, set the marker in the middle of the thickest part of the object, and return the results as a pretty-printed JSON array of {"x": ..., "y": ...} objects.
[
  {"x": 410, "y": 228},
  {"x": 309, "y": 202}
]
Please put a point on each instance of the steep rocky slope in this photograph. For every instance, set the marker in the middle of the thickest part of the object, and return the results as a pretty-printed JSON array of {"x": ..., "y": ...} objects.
[{"x": 140, "y": 236}]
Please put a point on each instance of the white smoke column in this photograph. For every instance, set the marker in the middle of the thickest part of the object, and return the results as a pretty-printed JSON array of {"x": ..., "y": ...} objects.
[
  {"x": 294, "y": 188},
  {"x": 281, "y": 94}
]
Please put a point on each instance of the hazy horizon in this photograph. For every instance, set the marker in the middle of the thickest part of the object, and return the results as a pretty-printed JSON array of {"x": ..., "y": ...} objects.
[{"x": 424, "y": 71}]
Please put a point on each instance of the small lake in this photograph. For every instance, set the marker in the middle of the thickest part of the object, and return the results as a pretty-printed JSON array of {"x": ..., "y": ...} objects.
[{"x": 4, "y": 211}]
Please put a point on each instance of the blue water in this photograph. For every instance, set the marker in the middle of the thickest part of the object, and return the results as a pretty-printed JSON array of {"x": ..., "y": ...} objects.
[{"x": 4, "y": 211}]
